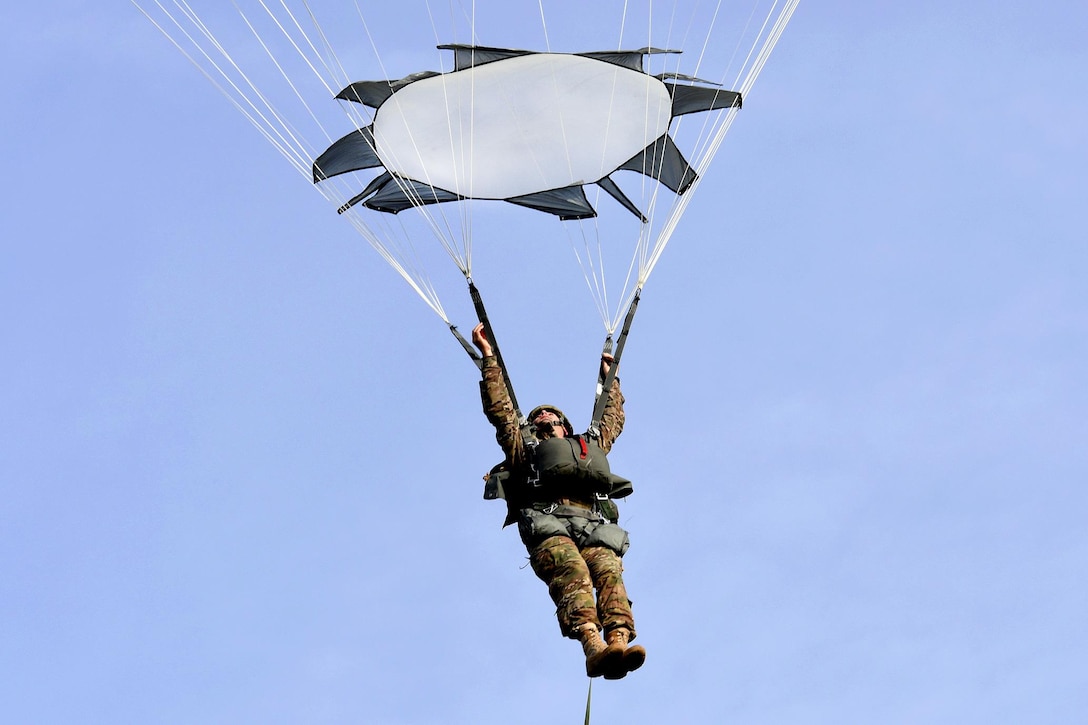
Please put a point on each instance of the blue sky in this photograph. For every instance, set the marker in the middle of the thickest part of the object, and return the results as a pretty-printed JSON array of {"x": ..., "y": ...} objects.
[{"x": 241, "y": 461}]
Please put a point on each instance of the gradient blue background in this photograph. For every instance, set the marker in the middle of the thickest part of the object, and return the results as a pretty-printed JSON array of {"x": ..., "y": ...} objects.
[{"x": 240, "y": 462}]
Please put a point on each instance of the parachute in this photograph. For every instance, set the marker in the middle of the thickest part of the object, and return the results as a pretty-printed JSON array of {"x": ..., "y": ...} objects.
[
  {"x": 606, "y": 128},
  {"x": 572, "y": 119}
]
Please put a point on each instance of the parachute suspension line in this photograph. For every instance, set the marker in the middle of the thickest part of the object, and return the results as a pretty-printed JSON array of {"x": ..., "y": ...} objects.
[
  {"x": 245, "y": 106},
  {"x": 227, "y": 76},
  {"x": 602, "y": 297},
  {"x": 644, "y": 249},
  {"x": 684, "y": 38},
  {"x": 466, "y": 209},
  {"x": 619, "y": 43},
  {"x": 301, "y": 148},
  {"x": 708, "y": 119},
  {"x": 681, "y": 205},
  {"x": 555, "y": 84},
  {"x": 336, "y": 69},
  {"x": 755, "y": 68},
  {"x": 465, "y": 212},
  {"x": 611, "y": 324},
  {"x": 292, "y": 147},
  {"x": 446, "y": 239},
  {"x": 651, "y": 189},
  {"x": 279, "y": 67},
  {"x": 291, "y": 39},
  {"x": 309, "y": 61},
  {"x": 277, "y": 135},
  {"x": 594, "y": 267},
  {"x": 400, "y": 256},
  {"x": 330, "y": 59},
  {"x": 414, "y": 279},
  {"x": 395, "y": 245},
  {"x": 453, "y": 21},
  {"x": 706, "y": 131},
  {"x": 464, "y": 259},
  {"x": 466, "y": 160},
  {"x": 769, "y": 40},
  {"x": 594, "y": 280},
  {"x": 591, "y": 278},
  {"x": 601, "y": 279},
  {"x": 765, "y": 52},
  {"x": 706, "y": 39},
  {"x": 544, "y": 26},
  {"x": 687, "y": 31},
  {"x": 418, "y": 272},
  {"x": 604, "y": 387},
  {"x": 651, "y": 253}
]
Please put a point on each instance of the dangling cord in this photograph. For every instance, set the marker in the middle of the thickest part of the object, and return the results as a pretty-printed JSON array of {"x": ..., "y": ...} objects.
[
  {"x": 605, "y": 386},
  {"x": 589, "y": 697}
]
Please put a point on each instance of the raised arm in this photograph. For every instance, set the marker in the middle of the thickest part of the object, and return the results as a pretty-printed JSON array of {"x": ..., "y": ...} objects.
[{"x": 613, "y": 417}]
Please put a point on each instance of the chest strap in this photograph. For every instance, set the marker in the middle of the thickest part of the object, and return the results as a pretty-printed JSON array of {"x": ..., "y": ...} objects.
[{"x": 567, "y": 511}]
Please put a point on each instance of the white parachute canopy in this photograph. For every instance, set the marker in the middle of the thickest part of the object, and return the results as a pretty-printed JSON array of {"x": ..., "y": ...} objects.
[
  {"x": 545, "y": 129},
  {"x": 534, "y": 122},
  {"x": 540, "y": 126}
]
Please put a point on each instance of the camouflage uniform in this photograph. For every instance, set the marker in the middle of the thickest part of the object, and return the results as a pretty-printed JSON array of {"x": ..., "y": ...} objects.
[{"x": 572, "y": 549}]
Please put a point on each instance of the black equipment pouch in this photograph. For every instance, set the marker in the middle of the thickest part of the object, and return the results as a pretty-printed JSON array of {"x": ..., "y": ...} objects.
[{"x": 495, "y": 482}]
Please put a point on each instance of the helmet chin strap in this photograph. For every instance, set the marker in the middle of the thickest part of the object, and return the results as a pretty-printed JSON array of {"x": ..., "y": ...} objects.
[{"x": 547, "y": 427}]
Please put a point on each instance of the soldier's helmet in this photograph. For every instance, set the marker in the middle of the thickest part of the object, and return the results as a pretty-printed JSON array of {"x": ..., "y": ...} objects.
[{"x": 551, "y": 408}]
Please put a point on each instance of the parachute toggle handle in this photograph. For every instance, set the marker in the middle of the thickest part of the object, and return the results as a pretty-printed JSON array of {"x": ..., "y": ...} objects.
[
  {"x": 476, "y": 358},
  {"x": 604, "y": 383},
  {"x": 606, "y": 350},
  {"x": 481, "y": 313}
]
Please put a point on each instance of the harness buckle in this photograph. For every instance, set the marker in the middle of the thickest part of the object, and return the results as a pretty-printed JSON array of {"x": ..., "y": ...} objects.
[{"x": 550, "y": 508}]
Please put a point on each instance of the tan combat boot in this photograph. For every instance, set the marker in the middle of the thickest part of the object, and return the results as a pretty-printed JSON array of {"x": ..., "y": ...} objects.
[
  {"x": 601, "y": 658},
  {"x": 632, "y": 657}
]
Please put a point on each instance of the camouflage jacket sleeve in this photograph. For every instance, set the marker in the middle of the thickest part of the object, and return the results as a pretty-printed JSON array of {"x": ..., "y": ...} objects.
[
  {"x": 613, "y": 417},
  {"x": 499, "y": 410}
]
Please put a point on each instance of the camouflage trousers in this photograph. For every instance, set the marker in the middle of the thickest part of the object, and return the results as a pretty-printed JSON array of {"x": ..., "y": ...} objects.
[{"x": 574, "y": 560}]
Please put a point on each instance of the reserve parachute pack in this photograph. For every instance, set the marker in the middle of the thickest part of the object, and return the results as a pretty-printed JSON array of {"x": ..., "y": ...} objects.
[
  {"x": 572, "y": 463},
  {"x": 562, "y": 466}
]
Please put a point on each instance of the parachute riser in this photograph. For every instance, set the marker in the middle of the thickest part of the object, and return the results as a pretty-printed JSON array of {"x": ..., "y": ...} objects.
[
  {"x": 604, "y": 383},
  {"x": 524, "y": 428},
  {"x": 481, "y": 314}
]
